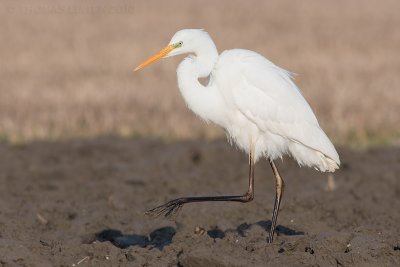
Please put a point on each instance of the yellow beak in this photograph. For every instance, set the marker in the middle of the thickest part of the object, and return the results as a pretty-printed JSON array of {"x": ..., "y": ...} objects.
[{"x": 163, "y": 52}]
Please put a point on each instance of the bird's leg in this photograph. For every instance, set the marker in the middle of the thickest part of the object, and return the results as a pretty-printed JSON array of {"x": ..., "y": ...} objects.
[
  {"x": 280, "y": 185},
  {"x": 172, "y": 207}
]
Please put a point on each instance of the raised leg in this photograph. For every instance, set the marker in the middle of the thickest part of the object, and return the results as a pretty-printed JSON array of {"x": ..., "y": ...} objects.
[
  {"x": 173, "y": 206},
  {"x": 280, "y": 185}
]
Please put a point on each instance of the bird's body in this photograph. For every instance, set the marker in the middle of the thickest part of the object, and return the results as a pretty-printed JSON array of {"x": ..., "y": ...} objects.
[{"x": 255, "y": 101}]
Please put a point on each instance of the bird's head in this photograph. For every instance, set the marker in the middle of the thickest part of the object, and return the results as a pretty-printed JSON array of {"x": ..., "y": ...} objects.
[{"x": 183, "y": 42}]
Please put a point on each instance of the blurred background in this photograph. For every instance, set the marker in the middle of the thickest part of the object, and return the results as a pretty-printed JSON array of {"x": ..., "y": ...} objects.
[{"x": 66, "y": 66}]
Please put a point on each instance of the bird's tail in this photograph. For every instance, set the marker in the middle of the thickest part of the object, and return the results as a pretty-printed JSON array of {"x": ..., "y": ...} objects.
[
  {"x": 326, "y": 163},
  {"x": 313, "y": 158}
]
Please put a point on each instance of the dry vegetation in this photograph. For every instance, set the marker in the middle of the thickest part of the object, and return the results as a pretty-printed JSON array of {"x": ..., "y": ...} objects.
[{"x": 66, "y": 66}]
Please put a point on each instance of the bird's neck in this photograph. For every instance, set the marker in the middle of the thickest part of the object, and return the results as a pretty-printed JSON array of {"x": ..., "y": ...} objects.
[
  {"x": 204, "y": 61},
  {"x": 197, "y": 66},
  {"x": 205, "y": 101}
]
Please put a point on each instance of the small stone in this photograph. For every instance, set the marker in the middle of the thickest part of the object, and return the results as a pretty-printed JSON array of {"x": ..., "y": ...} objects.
[{"x": 199, "y": 231}]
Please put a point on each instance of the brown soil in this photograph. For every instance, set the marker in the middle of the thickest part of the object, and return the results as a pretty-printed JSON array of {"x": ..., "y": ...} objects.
[{"x": 81, "y": 203}]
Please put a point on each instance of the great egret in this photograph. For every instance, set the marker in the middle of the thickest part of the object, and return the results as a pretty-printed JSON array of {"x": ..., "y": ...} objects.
[{"x": 258, "y": 105}]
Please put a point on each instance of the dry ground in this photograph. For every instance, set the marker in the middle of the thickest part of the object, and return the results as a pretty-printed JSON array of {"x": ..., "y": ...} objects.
[
  {"x": 83, "y": 201},
  {"x": 66, "y": 66}
]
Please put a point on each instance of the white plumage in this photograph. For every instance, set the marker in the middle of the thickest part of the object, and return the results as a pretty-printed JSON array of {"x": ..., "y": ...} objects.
[{"x": 253, "y": 100}]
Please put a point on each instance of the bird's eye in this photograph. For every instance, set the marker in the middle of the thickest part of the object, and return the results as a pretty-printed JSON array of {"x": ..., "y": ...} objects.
[{"x": 176, "y": 45}]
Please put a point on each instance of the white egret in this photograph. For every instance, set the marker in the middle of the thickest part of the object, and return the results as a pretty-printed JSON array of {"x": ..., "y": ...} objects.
[{"x": 261, "y": 109}]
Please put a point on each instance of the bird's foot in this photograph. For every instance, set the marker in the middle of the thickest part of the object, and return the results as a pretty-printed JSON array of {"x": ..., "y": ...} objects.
[
  {"x": 168, "y": 210},
  {"x": 270, "y": 238}
]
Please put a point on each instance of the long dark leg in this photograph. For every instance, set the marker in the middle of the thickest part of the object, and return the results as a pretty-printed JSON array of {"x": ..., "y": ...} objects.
[
  {"x": 280, "y": 185},
  {"x": 173, "y": 206}
]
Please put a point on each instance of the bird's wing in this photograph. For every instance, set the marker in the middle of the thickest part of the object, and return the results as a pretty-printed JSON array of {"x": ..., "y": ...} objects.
[{"x": 266, "y": 95}]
